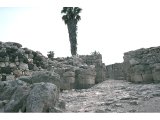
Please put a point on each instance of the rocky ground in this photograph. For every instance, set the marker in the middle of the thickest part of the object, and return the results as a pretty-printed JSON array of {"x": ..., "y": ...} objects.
[{"x": 114, "y": 96}]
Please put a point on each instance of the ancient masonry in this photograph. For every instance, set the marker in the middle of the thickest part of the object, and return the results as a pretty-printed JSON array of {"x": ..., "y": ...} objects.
[
  {"x": 31, "y": 82},
  {"x": 75, "y": 72},
  {"x": 142, "y": 65},
  {"x": 115, "y": 71}
]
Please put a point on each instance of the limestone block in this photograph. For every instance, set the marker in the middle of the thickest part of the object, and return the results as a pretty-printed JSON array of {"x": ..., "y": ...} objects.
[
  {"x": 42, "y": 97},
  {"x": 27, "y": 73},
  {"x": 12, "y": 65},
  {"x": 156, "y": 77},
  {"x": 147, "y": 78},
  {"x": 85, "y": 78},
  {"x": 7, "y": 63},
  {"x": 70, "y": 79},
  {"x": 23, "y": 66},
  {"x": 10, "y": 77},
  {"x": 17, "y": 63},
  {"x": 2, "y": 64},
  {"x": 17, "y": 73},
  {"x": 133, "y": 62},
  {"x": 136, "y": 78},
  {"x": 69, "y": 74},
  {"x": 65, "y": 86}
]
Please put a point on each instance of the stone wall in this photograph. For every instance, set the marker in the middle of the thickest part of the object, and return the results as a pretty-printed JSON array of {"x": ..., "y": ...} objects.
[
  {"x": 16, "y": 61},
  {"x": 96, "y": 59},
  {"x": 115, "y": 71},
  {"x": 87, "y": 70},
  {"x": 143, "y": 65}
]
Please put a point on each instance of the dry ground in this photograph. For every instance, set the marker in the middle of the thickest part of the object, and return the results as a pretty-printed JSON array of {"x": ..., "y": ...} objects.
[{"x": 114, "y": 96}]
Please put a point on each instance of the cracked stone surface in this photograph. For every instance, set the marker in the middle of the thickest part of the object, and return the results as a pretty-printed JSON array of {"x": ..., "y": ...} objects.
[{"x": 114, "y": 96}]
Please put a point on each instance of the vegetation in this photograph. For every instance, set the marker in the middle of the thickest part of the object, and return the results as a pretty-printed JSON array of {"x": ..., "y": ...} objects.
[
  {"x": 71, "y": 18},
  {"x": 50, "y": 55},
  {"x": 95, "y": 53}
]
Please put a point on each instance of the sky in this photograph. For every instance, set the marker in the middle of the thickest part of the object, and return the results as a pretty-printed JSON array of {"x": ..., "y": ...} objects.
[{"x": 110, "y": 27}]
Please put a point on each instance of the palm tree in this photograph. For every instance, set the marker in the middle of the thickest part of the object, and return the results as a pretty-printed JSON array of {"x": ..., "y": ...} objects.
[{"x": 71, "y": 18}]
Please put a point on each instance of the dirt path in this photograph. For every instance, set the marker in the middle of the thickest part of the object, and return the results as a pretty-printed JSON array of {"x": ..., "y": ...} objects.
[{"x": 114, "y": 96}]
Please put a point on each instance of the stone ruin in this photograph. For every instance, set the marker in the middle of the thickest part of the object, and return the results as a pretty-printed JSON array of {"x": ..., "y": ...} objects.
[
  {"x": 139, "y": 66},
  {"x": 31, "y": 82},
  {"x": 115, "y": 71},
  {"x": 143, "y": 65}
]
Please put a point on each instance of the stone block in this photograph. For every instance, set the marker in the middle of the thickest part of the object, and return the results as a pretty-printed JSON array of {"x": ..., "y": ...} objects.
[
  {"x": 12, "y": 65},
  {"x": 136, "y": 78},
  {"x": 69, "y": 74},
  {"x": 2, "y": 64},
  {"x": 17, "y": 73},
  {"x": 23, "y": 66},
  {"x": 147, "y": 78},
  {"x": 10, "y": 77},
  {"x": 70, "y": 79},
  {"x": 133, "y": 62},
  {"x": 156, "y": 77}
]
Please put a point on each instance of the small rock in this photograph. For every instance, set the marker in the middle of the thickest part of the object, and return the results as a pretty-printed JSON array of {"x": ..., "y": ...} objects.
[
  {"x": 118, "y": 105},
  {"x": 55, "y": 110},
  {"x": 129, "y": 98},
  {"x": 133, "y": 102},
  {"x": 100, "y": 111},
  {"x": 132, "y": 110},
  {"x": 108, "y": 109}
]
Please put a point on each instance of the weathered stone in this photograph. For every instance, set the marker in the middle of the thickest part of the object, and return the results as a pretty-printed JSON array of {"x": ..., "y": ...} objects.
[
  {"x": 133, "y": 62},
  {"x": 115, "y": 71},
  {"x": 35, "y": 68},
  {"x": 2, "y": 64},
  {"x": 134, "y": 102},
  {"x": 69, "y": 74},
  {"x": 17, "y": 73},
  {"x": 17, "y": 63},
  {"x": 12, "y": 65},
  {"x": 100, "y": 73},
  {"x": 45, "y": 76},
  {"x": 69, "y": 79},
  {"x": 7, "y": 88},
  {"x": 17, "y": 100},
  {"x": 7, "y": 63},
  {"x": 85, "y": 78},
  {"x": 27, "y": 73},
  {"x": 23, "y": 66},
  {"x": 142, "y": 64},
  {"x": 10, "y": 77},
  {"x": 156, "y": 77},
  {"x": 42, "y": 98}
]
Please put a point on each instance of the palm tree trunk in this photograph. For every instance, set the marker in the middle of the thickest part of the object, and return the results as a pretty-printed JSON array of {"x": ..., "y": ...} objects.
[{"x": 72, "y": 28}]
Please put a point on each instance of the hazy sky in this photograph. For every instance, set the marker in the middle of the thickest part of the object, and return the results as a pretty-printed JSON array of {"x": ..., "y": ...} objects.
[{"x": 111, "y": 27}]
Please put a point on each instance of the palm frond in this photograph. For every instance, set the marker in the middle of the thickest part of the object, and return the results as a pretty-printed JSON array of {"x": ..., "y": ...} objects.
[
  {"x": 77, "y": 10},
  {"x": 64, "y": 10},
  {"x": 78, "y": 18},
  {"x": 65, "y": 18}
]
